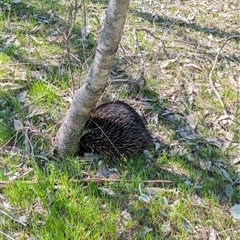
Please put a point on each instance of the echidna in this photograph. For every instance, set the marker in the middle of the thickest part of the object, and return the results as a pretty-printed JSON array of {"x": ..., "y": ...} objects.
[{"x": 115, "y": 130}]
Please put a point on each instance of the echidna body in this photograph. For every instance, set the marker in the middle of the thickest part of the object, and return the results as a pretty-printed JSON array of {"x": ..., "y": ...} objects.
[{"x": 115, "y": 130}]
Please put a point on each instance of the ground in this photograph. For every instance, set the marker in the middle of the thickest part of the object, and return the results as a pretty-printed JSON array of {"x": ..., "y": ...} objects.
[{"x": 187, "y": 187}]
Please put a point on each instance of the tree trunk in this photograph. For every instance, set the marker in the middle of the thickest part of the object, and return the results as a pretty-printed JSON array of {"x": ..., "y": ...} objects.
[{"x": 85, "y": 98}]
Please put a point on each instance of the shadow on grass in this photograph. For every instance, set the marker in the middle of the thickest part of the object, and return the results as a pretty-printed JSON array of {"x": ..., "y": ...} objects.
[
  {"x": 28, "y": 21},
  {"x": 198, "y": 150},
  {"x": 162, "y": 22}
]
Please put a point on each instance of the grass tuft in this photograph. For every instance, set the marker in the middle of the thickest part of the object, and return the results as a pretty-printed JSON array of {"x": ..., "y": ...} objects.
[{"x": 46, "y": 196}]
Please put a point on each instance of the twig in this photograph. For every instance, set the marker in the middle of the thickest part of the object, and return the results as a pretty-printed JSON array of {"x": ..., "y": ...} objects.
[
  {"x": 12, "y": 218},
  {"x": 230, "y": 229},
  {"x": 84, "y": 30},
  {"x": 6, "y": 235},
  {"x": 67, "y": 40},
  {"x": 163, "y": 41},
  {"x": 123, "y": 50},
  {"x": 67, "y": 36},
  {"x": 152, "y": 34},
  {"x": 141, "y": 77},
  {"x": 123, "y": 81},
  {"x": 141, "y": 58},
  {"x": 211, "y": 73},
  {"x": 4, "y": 184},
  {"x": 99, "y": 180},
  {"x": 238, "y": 106},
  {"x": 193, "y": 230}
]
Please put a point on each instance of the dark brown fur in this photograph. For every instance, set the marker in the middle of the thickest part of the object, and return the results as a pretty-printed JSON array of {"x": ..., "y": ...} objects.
[{"x": 116, "y": 130}]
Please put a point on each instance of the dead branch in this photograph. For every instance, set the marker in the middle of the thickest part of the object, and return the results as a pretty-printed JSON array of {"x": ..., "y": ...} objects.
[
  {"x": 84, "y": 32},
  {"x": 238, "y": 107},
  {"x": 12, "y": 218},
  {"x": 6, "y": 183},
  {"x": 141, "y": 76},
  {"x": 128, "y": 81},
  {"x": 211, "y": 73},
  {"x": 155, "y": 37},
  {"x": 6, "y": 235},
  {"x": 141, "y": 58},
  {"x": 67, "y": 36}
]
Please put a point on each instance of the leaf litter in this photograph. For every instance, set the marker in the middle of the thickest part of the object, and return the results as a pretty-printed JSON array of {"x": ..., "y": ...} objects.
[{"x": 182, "y": 92}]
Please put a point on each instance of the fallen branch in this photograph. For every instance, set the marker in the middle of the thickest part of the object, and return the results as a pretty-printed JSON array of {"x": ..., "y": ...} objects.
[
  {"x": 128, "y": 81},
  {"x": 84, "y": 31},
  {"x": 141, "y": 76},
  {"x": 4, "y": 184},
  {"x": 7, "y": 236},
  {"x": 67, "y": 36},
  {"x": 141, "y": 58},
  {"x": 12, "y": 218},
  {"x": 211, "y": 73}
]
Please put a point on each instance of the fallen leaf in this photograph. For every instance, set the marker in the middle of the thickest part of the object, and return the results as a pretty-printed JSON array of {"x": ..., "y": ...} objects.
[
  {"x": 212, "y": 234},
  {"x": 147, "y": 230},
  {"x": 143, "y": 198},
  {"x": 123, "y": 222},
  {"x": 36, "y": 40},
  {"x": 148, "y": 154},
  {"x": 24, "y": 219},
  {"x": 166, "y": 62},
  {"x": 214, "y": 141},
  {"x": 157, "y": 145},
  {"x": 229, "y": 190},
  {"x": 107, "y": 191},
  {"x": 154, "y": 190},
  {"x": 21, "y": 97},
  {"x": 85, "y": 31},
  {"x": 236, "y": 161},
  {"x": 235, "y": 211},
  {"x": 102, "y": 169},
  {"x": 154, "y": 119},
  {"x": 193, "y": 66},
  {"x": 10, "y": 86},
  {"x": 18, "y": 125}
]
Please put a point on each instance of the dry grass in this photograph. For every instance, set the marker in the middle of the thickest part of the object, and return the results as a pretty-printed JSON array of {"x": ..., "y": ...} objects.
[{"x": 190, "y": 96}]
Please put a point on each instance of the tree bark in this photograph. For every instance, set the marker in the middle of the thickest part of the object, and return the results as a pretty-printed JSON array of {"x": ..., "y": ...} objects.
[{"x": 85, "y": 98}]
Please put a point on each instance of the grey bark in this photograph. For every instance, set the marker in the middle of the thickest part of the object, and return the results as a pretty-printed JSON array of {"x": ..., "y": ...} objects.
[{"x": 85, "y": 98}]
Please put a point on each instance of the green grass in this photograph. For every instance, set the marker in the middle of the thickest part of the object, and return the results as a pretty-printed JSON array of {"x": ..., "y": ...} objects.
[
  {"x": 41, "y": 94},
  {"x": 47, "y": 192}
]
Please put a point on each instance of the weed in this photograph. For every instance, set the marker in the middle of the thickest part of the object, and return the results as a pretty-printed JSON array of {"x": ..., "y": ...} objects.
[{"x": 199, "y": 145}]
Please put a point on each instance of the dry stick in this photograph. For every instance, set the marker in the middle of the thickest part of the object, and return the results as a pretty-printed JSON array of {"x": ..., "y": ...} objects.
[
  {"x": 67, "y": 40},
  {"x": 238, "y": 106},
  {"x": 155, "y": 37},
  {"x": 121, "y": 81},
  {"x": 6, "y": 235},
  {"x": 213, "y": 68},
  {"x": 136, "y": 81},
  {"x": 163, "y": 41},
  {"x": 12, "y": 218},
  {"x": 141, "y": 77},
  {"x": 84, "y": 30},
  {"x": 230, "y": 229},
  {"x": 193, "y": 230},
  {"x": 141, "y": 58},
  {"x": 99, "y": 180},
  {"x": 67, "y": 37},
  {"x": 96, "y": 180}
]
